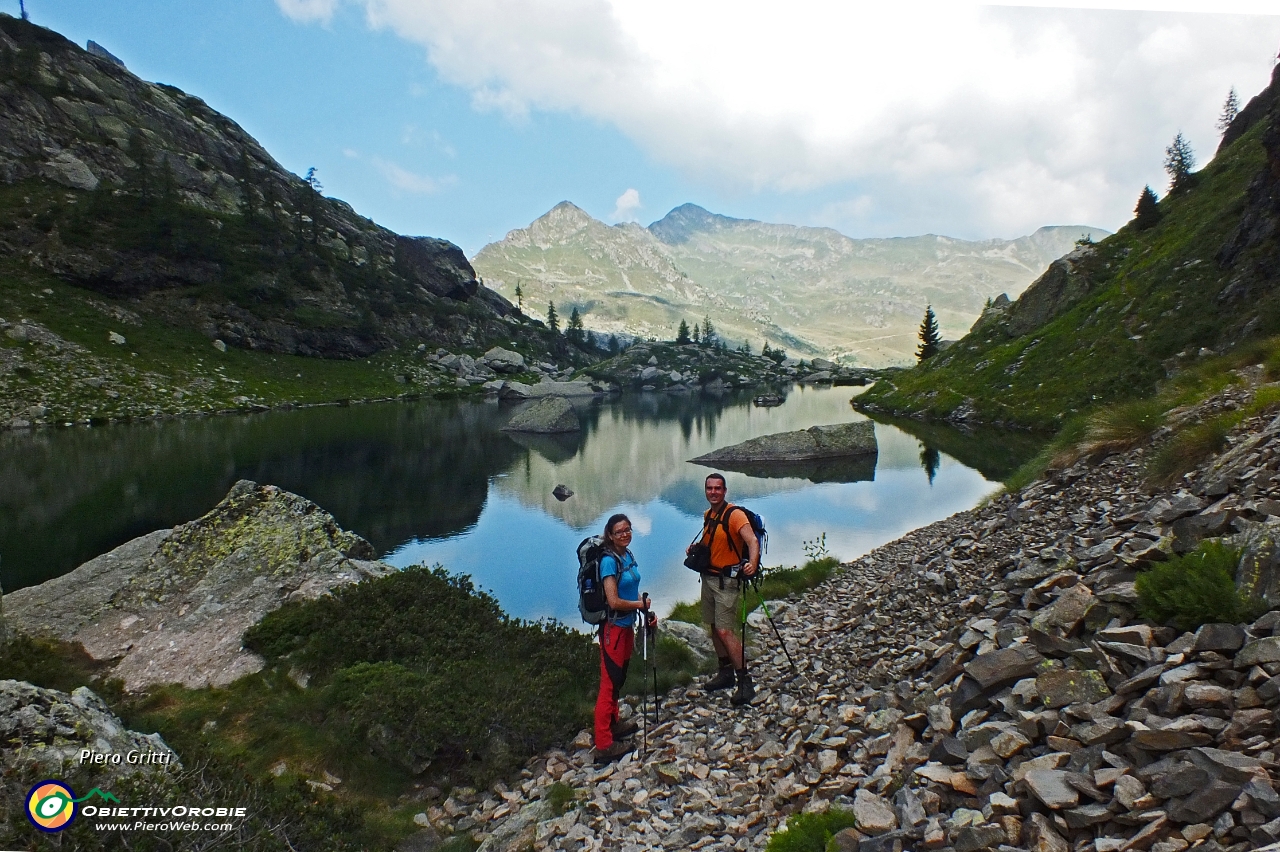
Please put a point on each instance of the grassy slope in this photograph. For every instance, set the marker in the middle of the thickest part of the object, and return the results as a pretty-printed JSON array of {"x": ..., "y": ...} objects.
[{"x": 1153, "y": 296}]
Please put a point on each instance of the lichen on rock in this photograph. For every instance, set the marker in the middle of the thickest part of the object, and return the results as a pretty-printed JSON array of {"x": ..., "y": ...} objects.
[{"x": 171, "y": 606}]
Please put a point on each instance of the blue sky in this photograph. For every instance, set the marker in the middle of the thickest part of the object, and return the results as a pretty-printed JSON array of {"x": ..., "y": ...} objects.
[{"x": 466, "y": 118}]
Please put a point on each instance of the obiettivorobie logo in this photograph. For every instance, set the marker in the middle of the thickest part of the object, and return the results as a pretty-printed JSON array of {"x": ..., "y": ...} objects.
[{"x": 51, "y": 805}]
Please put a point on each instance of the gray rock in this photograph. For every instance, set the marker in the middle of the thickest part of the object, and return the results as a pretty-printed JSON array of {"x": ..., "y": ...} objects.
[
  {"x": 693, "y": 636},
  {"x": 1051, "y": 788},
  {"x": 972, "y": 838},
  {"x": 517, "y": 832},
  {"x": 817, "y": 442},
  {"x": 1060, "y": 687},
  {"x": 172, "y": 606},
  {"x": 503, "y": 360},
  {"x": 1204, "y": 804},
  {"x": 1003, "y": 666},
  {"x": 1064, "y": 615},
  {"x": 873, "y": 813},
  {"x": 47, "y": 730},
  {"x": 1257, "y": 652},
  {"x": 561, "y": 493},
  {"x": 69, "y": 170},
  {"x": 1219, "y": 637},
  {"x": 548, "y": 415}
]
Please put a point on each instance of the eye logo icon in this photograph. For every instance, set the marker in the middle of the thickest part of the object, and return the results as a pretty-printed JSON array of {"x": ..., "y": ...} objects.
[{"x": 51, "y": 806}]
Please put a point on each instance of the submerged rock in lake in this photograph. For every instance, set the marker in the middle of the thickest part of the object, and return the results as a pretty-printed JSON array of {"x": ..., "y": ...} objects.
[
  {"x": 842, "y": 440},
  {"x": 548, "y": 415},
  {"x": 171, "y": 606}
]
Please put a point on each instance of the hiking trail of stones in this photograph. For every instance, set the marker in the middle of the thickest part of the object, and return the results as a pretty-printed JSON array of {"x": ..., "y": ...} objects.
[{"x": 980, "y": 683}]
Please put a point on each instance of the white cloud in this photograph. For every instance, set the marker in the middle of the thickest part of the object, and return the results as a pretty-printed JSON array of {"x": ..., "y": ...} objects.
[
  {"x": 949, "y": 117},
  {"x": 403, "y": 179},
  {"x": 308, "y": 10},
  {"x": 628, "y": 204}
]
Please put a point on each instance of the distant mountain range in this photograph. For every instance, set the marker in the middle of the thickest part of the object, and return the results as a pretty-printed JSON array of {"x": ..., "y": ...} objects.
[{"x": 812, "y": 291}]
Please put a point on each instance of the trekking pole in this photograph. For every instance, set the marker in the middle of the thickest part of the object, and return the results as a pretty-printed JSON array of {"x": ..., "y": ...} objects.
[
  {"x": 741, "y": 585},
  {"x": 656, "y": 700},
  {"x": 644, "y": 696},
  {"x": 755, "y": 584}
]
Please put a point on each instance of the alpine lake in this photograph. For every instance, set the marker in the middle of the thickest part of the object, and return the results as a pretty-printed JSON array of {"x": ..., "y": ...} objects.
[{"x": 439, "y": 482}]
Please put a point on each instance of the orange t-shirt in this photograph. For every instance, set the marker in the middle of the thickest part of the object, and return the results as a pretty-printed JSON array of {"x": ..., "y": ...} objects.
[{"x": 722, "y": 554}]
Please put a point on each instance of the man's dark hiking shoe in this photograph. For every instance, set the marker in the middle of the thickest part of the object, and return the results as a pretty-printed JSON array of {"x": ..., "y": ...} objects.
[
  {"x": 745, "y": 692},
  {"x": 613, "y": 752},
  {"x": 624, "y": 728},
  {"x": 722, "y": 680}
]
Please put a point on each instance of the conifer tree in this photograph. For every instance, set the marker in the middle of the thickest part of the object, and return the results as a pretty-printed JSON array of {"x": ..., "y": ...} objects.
[
  {"x": 1146, "y": 214},
  {"x": 519, "y": 298},
  {"x": 697, "y": 333},
  {"x": 574, "y": 330},
  {"x": 553, "y": 319},
  {"x": 1230, "y": 109},
  {"x": 929, "y": 338},
  {"x": 708, "y": 331},
  {"x": 1179, "y": 160},
  {"x": 682, "y": 333}
]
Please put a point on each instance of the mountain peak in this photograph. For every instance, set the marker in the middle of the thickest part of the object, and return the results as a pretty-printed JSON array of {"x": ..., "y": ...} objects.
[{"x": 683, "y": 221}]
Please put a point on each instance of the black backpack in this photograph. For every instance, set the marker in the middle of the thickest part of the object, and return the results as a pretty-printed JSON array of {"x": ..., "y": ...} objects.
[{"x": 592, "y": 603}]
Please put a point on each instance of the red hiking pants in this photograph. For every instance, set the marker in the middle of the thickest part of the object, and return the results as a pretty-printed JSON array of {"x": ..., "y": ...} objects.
[{"x": 616, "y": 646}]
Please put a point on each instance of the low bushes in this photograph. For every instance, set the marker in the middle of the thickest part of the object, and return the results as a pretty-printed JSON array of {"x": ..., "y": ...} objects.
[
  {"x": 810, "y": 832},
  {"x": 1196, "y": 588},
  {"x": 429, "y": 672}
]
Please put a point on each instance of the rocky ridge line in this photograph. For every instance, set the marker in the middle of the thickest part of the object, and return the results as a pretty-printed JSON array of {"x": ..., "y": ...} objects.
[{"x": 981, "y": 683}]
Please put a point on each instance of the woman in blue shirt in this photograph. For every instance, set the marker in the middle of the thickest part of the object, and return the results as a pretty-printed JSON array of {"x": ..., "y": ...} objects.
[{"x": 621, "y": 578}]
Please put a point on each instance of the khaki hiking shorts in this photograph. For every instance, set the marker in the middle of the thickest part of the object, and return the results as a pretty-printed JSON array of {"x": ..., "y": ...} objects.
[{"x": 721, "y": 607}]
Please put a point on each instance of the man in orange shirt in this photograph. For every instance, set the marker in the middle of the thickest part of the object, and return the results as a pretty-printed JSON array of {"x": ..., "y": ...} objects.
[{"x": 735, "y": 557}]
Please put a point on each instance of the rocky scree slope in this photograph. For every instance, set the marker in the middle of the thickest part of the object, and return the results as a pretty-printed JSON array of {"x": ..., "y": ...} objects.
[
  {"x": 1111, "y": 321},
  {"x": 131, "y": 211},
  {"x": 981, "y": 683},
  {"x": 812, "y": 291}
]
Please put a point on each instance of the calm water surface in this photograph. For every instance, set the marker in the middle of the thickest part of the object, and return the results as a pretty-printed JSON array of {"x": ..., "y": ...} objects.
[{"x": 437, "y": 482}]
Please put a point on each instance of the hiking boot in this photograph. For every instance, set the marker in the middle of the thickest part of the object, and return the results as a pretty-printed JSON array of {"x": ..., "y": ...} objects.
[
  {"x": 745, "y": 691},
  {"x": 624, "y": 729},
  {"x": 613, "y": 752},
  {"x": 722, "y": 680}
]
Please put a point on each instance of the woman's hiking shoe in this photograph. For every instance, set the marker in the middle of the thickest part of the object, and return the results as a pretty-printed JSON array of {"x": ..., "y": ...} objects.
[
  {"x": 722, "y": 680},
  {"x": 745, "y": 692},
  {"x": 624, "y": 728},
  {"x": 613, "y": 752}
]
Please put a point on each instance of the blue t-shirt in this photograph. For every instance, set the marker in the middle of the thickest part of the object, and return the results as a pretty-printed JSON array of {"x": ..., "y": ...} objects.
[{"x": 628, "y": 582}]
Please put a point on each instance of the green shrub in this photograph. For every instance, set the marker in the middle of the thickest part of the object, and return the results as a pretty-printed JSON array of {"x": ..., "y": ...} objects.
[
  {"x": 561, "y": 797},
  {"x": 676, "y": 666},
  {"x": 429, "y": 672},
  {"x": 810, "y": 832},
  {"x": 1194, "y": 589}
]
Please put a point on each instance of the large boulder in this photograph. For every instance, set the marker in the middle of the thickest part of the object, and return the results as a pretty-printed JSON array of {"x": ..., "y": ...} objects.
[
  {"x": 171, "y": 606},
  {"x": 547, "y": 415},
  {"x": 503, "y": 360},
  {"x": 817, "y": 442},
  {"x": 45, "y": 733}
]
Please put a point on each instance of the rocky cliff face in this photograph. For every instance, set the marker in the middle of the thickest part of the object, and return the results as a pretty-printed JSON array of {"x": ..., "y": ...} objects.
[
  {"x": 171, "y": 606},
  {"x": 141, "y": 192}
]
